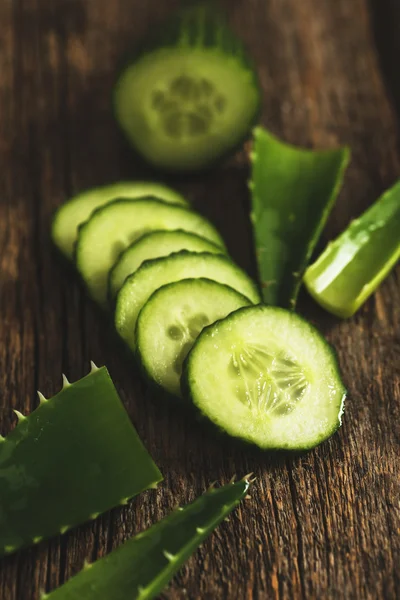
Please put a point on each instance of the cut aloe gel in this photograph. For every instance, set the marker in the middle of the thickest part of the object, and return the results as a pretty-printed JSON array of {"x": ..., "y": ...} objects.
[
  {"x": 266, "y": 376},
  {"x": 142, "y": 567},
  {"x": 155, "y": 245},
  {"x": 293, "y": 191},
  {"x": 78, "y": 209},
  {"x": 76, "y": 456},
  {"x": 171, "y": 320},
  {"x": 351, "y": 268},
  {"x": 191, "y": 97},
  {"x": 153, "y": 274}
]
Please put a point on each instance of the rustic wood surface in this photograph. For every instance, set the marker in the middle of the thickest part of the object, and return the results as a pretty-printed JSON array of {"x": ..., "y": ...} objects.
[{"x": 324, "y": 525}]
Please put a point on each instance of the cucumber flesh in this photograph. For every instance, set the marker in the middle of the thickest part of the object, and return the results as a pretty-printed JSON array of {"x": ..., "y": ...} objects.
[
  {"x": 115, "y": 226},
  {"x": 78, "y": 209},
  {"x": 155, "y": 245},
  {"x": 171, "y": 320},
  {"x": 153, "y": 274},
  {"x": 267, "y": 376},
  {"x": 192, "y": 97}
]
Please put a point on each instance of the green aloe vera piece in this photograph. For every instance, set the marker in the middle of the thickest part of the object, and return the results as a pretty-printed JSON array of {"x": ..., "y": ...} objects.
[
  {"x": 76, "y": 456},
  {"x": 352, "y": 266},
  {"x": 293, "y": 191},
  {"x": 142, "y": 566}
]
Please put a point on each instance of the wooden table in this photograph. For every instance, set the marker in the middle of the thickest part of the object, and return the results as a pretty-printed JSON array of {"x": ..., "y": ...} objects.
[{"x": 324, "y": 525}]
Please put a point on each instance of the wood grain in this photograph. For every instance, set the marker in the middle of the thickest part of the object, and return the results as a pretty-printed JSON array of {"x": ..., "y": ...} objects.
[{"x": 323, "y": 525}]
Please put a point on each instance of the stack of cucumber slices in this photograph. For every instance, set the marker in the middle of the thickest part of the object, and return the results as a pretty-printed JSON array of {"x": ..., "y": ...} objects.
[{"x": 193, "y": 318}]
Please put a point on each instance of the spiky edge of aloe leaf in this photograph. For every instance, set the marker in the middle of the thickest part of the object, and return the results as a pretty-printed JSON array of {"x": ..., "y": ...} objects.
[
  {"x": 142, "y": 566},
  {"x": 74, "y": 457},
  {"x": 266, "y": 146}
]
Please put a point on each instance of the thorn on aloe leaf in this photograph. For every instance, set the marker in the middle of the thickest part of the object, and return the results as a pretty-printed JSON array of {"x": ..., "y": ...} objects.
[
  {"x": 153, "y": 486},
  {"x": 37, "y": 539},
  {"x": 19, "y": 416},
  {"x": 170, "y": 557},
  {"x": 42, "y": 399},
  {"x": 211, "y": 487},
  {"x": 94, "y": 516},
  {"x": 200, "y": 530},
  {"x": 64, "y": 529},
  {"x": 232, "y": 479},
  {"x": 65, "y": 381},
  {"x": 93, "y": 367},
  {"x": 87, "y": 564},
  {"x": 247, "y": 477}
]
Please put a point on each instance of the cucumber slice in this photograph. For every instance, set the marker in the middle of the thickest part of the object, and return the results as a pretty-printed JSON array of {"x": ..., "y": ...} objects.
[
  {"x": 78, "y": 209},
  {"x": 153, "y": 274},
  {"x": 115, "y": 226},
  {"x": 171, "y": 320},
  {"x": 155, "y": 245},
  {"x": 191, "y": 98},
  {"x": 266, "y": 376}
]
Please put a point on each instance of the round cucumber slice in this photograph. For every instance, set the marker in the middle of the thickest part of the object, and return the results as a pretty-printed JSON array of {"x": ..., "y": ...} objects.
[
  {"x": 267, "y": 376},
  {"x": 192, "y": 97},
  {"x": 155, "y": 245},
  {"x": 78, "y": 209},
  {"x": 153, "y": 274},
  {"x": 171, "y": 320},
  {"x": 115, "y": 226}
]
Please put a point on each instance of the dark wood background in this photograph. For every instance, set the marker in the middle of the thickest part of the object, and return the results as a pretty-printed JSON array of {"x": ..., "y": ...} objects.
[{"x": 325, "y": 525}]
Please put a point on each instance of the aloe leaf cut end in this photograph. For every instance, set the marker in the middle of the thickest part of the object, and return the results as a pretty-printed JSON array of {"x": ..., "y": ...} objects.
[
  {"x": 352, "y": 266},
  {"x": 292, "y": 193},
  {"x": 142, "y": 566},
  {"x": 76, "y": 456}
]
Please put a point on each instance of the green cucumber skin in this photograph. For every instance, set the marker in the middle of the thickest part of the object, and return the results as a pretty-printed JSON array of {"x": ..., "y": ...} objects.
[
  {"x": 382, "y": 217},
  {"x": 142, "y": 566},
  {"x": 282, "y": 276},
  {"x": 188, "y": 396},
  {"x": 148, "y": 264},
  {"x": 201, "y": 25},
  {"x": 141, "y": 359},
  {"x": 160, "y": 192},
  {"x": 215, "y": 248},
  {"x": 87, "y": 224}
]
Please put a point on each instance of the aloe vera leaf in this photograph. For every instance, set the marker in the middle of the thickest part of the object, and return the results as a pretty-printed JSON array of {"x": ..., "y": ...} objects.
[
  {"x": 293, "y": 191},
  {"x": 352, "y": 266},
  {"x": 74, "y": 457},
  {"x": 142, "y": 566}
]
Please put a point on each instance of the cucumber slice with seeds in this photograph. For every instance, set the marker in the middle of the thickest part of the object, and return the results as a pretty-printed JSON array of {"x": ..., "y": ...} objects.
[
  {"x": 115, "y": 226},
  {"x": 78, "y": 209},
  {"x": 153, "y": 274},
  {"x": 190, "y": 98},
  {"x": 267, "y": 376},
  {"x": 155, "y": 245},
  {"x": 171, "y": 320}
]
